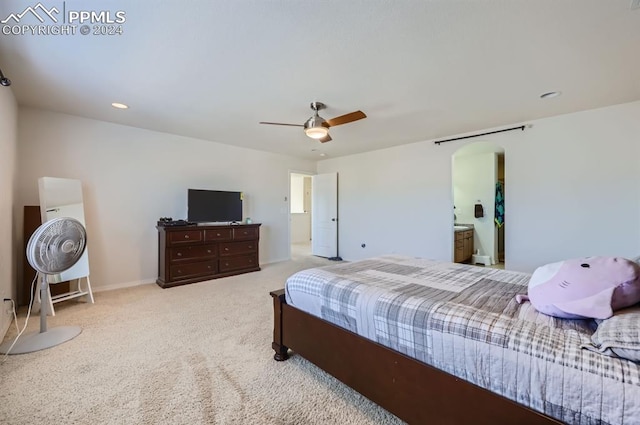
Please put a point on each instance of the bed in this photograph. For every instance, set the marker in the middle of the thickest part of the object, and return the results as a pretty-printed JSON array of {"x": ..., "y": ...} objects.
[{"x": 446, "y": 343}]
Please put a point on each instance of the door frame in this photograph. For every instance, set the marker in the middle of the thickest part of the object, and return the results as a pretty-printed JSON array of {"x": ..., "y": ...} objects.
[{"x": 290, "y": 172}]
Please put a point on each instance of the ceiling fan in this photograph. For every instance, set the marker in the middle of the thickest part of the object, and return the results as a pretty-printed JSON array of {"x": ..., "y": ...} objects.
[{"x": 317, "y": 127}]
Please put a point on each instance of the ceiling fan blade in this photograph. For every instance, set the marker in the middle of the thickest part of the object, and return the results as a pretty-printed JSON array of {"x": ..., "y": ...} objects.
[
  {"x": 325, "y": 139},
  {"x": 346, "y": 118},
  {"x": 281, "y": 123}
]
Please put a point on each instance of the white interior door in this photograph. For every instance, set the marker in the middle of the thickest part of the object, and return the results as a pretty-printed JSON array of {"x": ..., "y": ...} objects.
[{"x": 324, "y": 215}]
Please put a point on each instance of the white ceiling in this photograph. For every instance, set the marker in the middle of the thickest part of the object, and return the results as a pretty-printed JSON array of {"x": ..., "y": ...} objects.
[{"x": 420, "y": 70}]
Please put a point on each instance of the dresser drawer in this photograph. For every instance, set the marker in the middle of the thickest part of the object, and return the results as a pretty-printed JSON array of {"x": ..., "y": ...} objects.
[
  {"x": 245, "y": 233},
  {"x": 184, "y": 237},
  {"x": 183, "y": 271},
  {"x": 185, "y": 253},
  {"x": 218, "y": 235},
  {"x": 239, "y": 262},
  {"x": 234, "y": 248}
]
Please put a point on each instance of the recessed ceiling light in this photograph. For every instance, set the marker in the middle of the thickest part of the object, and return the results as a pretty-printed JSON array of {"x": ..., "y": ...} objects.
[
  {"x": 323, "y": 154},
  {"x": 550, "y": 94},
  {"x": 119, "y": 105}
]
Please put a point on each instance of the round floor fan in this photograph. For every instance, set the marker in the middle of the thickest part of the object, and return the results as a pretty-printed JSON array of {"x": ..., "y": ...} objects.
[{"x": 53, "y": 248}]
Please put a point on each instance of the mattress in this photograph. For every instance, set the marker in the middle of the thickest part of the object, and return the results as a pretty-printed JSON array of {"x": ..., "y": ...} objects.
[{"x": 464, "y": 320}]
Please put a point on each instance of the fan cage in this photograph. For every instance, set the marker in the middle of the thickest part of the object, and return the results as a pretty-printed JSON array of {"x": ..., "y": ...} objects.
[{"x": 56, "y": 245}]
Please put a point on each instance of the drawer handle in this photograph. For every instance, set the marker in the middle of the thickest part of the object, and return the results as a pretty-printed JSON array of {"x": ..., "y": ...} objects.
[
  {"x": 208, "y": 251},
  {"x": 179, "y": 271},
  {"x": 217, "y": 234},
  {"x": 186, "y": 236},
  {"x": 226, "y": 249},
  {"x": 250, "y": 246},
  {"x": 226, "y": 264},
  {"x": 179, "y": 254},
  {"x": 250, "y": 260},
  {"x": 246, "y": 232},
  {"x": 209, "y": 267}
]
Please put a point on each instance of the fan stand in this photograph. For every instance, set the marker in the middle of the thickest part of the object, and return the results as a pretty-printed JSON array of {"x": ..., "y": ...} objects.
[{"x": 44, "y": 339}]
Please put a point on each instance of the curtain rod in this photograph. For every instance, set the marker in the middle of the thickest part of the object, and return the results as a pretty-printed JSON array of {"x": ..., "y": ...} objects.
[{"x": 522, "y": 127}]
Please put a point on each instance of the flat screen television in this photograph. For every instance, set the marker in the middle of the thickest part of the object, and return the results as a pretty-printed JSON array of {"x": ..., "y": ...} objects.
[{"x": 213, "y": 206}]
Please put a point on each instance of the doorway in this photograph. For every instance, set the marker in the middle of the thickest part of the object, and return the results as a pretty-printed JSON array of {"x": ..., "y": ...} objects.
[
  {"x": 300, "y": 193},
  {"x": 313, "y": 215},
  {"x": 478, "y": 184}
]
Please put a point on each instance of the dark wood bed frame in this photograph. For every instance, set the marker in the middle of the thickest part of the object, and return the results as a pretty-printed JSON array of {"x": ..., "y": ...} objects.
[{"x": 413, "y": 391}]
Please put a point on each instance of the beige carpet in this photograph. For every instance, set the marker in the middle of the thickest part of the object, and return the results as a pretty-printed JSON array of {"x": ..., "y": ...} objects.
[{"x": 194, "y": 354}]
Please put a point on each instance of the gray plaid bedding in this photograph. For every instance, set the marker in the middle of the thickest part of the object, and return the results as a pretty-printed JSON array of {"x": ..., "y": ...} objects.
[{"x": 464, "y": 320}]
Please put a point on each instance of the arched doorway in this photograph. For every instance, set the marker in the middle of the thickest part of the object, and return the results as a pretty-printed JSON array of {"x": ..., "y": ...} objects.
[{"x": 478, "y": 200}]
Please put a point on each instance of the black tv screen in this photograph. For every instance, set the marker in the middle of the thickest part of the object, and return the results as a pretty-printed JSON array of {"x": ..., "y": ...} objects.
[{"x": 210, "y": 206}]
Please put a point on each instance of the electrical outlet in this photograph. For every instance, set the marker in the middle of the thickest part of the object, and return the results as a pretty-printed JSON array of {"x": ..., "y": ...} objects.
[{"x": 7, "y": 306}]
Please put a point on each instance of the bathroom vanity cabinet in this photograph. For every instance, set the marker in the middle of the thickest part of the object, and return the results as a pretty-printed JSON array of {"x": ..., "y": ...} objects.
[{"x": 463, "y": 243}]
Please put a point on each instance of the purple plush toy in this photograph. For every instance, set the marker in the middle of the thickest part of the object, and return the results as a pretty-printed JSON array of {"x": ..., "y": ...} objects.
[{"x": 591, "y": 287}]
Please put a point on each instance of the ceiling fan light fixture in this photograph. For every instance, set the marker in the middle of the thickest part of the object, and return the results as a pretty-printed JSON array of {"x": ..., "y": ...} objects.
[
  {"x": 316, "y": 132},
  {"x": 317, "y": 127}
]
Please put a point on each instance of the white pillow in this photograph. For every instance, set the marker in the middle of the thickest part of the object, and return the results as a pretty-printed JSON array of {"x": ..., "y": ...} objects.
[{"x": 619, "y": 335}]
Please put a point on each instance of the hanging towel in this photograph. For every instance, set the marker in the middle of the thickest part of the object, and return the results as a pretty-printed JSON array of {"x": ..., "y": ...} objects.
[
  {"x": 499, "y": 204},
  {"x": 478, "y": 211}
]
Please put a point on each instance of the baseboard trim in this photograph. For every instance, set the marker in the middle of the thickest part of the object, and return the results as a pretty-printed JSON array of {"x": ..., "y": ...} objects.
[
  {"x": 122, "y": 285},
  {"x": 276, "y": 261},
  {"x": 147, "y": 281}
]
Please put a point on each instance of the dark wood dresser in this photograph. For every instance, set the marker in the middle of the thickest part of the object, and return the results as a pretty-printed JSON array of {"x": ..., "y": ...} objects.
[{"x": 188, "y": 254}]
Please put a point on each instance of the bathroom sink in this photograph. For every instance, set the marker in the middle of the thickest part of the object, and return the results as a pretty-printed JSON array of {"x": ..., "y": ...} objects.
[{"x": 461, "y": 227}]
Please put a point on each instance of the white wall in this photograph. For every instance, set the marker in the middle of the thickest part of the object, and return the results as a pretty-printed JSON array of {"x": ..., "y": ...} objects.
[
  {"x": 8, "y": 170},
  {"x": 131, "y": 177},
  {"x": 573, "y": 191}
]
